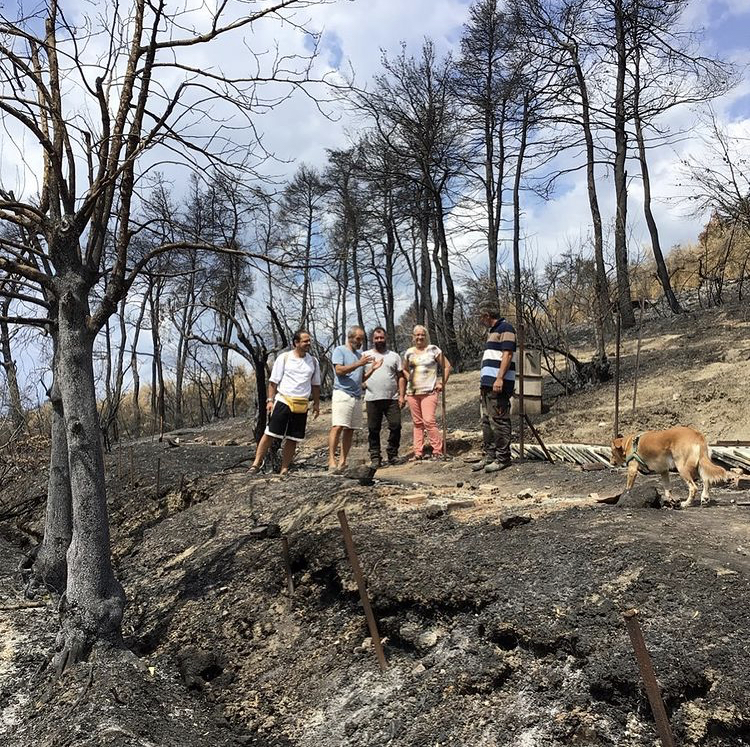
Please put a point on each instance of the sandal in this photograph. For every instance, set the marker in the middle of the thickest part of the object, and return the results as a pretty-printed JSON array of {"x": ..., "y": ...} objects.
[{"x": 253, "y": 470}]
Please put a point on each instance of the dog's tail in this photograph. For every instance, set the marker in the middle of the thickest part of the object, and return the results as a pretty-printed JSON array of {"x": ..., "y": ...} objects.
[{"x": 710, "y": 472}]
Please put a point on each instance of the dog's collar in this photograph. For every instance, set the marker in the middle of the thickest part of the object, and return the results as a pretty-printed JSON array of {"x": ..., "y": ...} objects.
[{"x": 634, "y": 453}]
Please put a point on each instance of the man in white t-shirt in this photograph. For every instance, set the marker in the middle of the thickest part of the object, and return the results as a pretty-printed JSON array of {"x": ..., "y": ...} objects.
[
  {"x": 385, "y": 395},
  {"x": 295, "y": 377}
]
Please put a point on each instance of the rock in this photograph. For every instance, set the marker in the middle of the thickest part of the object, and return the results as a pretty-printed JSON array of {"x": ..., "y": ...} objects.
[
  {"x": 264, "y": 530},
  {"x": 640, "y": 496},
  {"x": 362, "y": 472},
  {"x": 735, "y": 355},
  {"x": 515, "y": 520},
  {"x": 434, "y": 511},
  {"x": 427, "y": 639},
  {"x": 525, "y": 493},
  {"x": 453, "y": 505}
]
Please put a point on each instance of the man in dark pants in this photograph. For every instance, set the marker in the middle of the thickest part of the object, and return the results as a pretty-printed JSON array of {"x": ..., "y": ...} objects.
[
  {"x": 385, "y": 395},
  {"x": 498, "y": 378}
]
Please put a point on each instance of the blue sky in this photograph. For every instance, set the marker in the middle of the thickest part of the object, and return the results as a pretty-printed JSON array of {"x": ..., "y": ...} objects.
[{"x": 353, "y": 34}]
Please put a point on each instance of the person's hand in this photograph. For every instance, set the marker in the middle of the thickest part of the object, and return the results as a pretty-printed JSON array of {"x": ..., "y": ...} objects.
[
  {"x": 316, "y": 410},
  {"x": 377, "y": 364},
  {"x": 401, "y": 402},
  {"x": 439, "y": 386},
  {"x": 366, "y": 359},
  {"x": 497, "y": 387},
  {"x": 269, "y": 406}
]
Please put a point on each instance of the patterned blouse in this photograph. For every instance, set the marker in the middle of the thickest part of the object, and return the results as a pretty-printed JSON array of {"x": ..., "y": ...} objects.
[{"x": 421, "y": 367}]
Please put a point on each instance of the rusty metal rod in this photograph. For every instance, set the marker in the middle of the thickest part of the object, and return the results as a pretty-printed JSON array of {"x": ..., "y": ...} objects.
[
  {"x": 649, "y": 678},
  {"x": 359, "y": 578},
  {"x": 442, "y": 410},
  {"x": 287, "y": 567},
  {"x": 538, "y": 438}
]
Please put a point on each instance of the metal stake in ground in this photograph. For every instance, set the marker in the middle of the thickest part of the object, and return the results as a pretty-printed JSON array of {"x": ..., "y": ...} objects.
[
  {"x": 287, "y": 567},
  {"x": 442, "y": 406},
  {"x": 359, "y": 578},
  {"x": 649, "y": 678},
  {"x": 536, "y": 435}
]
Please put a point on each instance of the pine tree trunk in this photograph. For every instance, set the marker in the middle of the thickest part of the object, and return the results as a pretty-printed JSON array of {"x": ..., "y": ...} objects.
[
  {"x": 661, "y": 265},
  {"x": 602, "y": 313}
]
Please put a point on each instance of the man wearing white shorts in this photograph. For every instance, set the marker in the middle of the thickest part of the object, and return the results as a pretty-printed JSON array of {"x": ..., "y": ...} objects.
[{"x": 346, "y": 402}]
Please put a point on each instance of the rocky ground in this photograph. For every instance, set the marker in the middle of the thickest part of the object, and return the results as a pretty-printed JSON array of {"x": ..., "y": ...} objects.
[{"x": 500, "y": 598}]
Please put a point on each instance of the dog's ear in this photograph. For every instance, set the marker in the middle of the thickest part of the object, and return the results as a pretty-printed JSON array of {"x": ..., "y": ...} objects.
[{"x": 618, "y": 443}]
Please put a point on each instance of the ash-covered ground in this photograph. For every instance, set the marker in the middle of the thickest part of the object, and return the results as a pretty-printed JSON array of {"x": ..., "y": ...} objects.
[{"x": 500, "y": 599}]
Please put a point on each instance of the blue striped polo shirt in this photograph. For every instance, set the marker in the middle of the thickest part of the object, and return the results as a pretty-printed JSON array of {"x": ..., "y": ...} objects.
[{"x": 501, "y": 337}]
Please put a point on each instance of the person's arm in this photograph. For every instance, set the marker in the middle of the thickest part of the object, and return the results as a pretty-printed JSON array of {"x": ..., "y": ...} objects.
[
  {"x": 277, "y": 372},
  {"x": 408, "y": 369},
  {"x": 271, "y": 396},
  {"x": 401, "y": 388},
  {"x": 342, "y": 370},
  {"x": 505, "y": 362},
  {"x": 316, "y": 400},
  {"x": 447, "y": 368},
  {"x": 370, "y": 371}
]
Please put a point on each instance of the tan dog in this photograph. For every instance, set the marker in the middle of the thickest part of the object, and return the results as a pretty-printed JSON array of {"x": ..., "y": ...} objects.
[{"x": 659, "y": 451}]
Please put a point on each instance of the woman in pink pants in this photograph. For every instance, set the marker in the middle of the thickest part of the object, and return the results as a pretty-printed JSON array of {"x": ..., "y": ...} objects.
[{"x": 421, "y": 363}]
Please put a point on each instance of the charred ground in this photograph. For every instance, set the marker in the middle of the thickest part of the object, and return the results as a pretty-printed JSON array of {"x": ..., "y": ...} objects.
[{"x": 500, "y": 598}]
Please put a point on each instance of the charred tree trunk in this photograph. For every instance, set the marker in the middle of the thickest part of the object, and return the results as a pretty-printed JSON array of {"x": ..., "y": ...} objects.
[
  {"x": 11, "y": 373},
  {"x": 517, "y": 267},
  {"x": 454, "y": 354},
  {"x": 94, "y": 600},
  {"x": 426, "y": 311},
  {"x": 51, "y": 567},
  {"x": 134, "y": 368},
  {"x": 661, "y": 265},
  {"x": 306, "y": 278},
  {"x": 624, "y": 300},
  {"x": 390, "y": 251},
  {"x": 602, "y": 313}
]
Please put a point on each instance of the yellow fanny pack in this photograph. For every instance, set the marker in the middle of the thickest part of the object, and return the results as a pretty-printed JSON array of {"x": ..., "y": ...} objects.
[{"x": 298, "y": 405}]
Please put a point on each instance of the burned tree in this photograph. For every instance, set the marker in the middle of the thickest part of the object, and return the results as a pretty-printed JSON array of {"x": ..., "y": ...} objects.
[{"x": 144, "y": 92}]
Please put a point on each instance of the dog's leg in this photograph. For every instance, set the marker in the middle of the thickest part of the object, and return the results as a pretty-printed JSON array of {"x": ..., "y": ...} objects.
[
  {"x": 632, "y": 474},
  {"x": 665, "y": 485},
  {"x": 687, "y": 475},
  {"x": 705, "y": 499}
]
